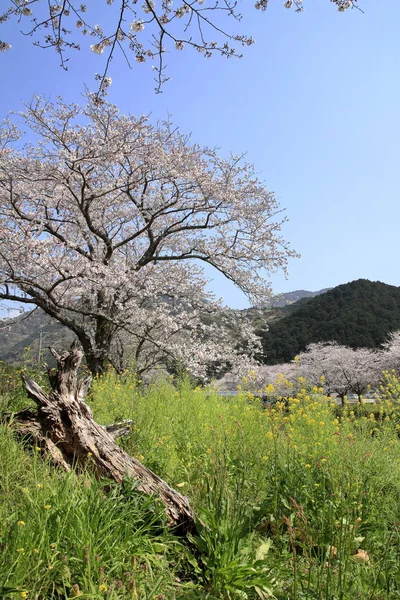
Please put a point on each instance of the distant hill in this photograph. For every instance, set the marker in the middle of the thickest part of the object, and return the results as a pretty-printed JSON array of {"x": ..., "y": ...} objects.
[
  {"x": 290, "y": 297},
  {"x": 358, "y": 314},
  {"x": 23, "y": 337}
]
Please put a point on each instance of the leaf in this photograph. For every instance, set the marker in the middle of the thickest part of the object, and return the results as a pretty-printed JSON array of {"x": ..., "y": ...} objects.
[
  {"x": 264, "y": 594},
  {"x": 192, "y": 561},
  {"x": 159, "y": 548},
  {"x": 263, "y": 549}
]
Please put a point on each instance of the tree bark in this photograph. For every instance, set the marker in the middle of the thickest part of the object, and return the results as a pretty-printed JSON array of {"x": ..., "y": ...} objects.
[{"x": 64, "y": 428}]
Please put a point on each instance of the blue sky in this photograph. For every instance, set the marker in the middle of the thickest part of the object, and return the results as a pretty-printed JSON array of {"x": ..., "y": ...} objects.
[{"x": 314, "y": 103}]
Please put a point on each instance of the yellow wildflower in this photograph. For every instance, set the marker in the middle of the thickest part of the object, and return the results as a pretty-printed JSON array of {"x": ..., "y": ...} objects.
[{"x": 21, "y": 523}]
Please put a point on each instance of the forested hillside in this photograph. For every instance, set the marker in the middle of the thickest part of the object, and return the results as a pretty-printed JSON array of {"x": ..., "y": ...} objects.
[{"x": 356, "y": 314}]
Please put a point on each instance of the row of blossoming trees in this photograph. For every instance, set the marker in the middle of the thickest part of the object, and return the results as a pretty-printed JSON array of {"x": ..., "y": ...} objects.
[{"x": 339, "y": 369}]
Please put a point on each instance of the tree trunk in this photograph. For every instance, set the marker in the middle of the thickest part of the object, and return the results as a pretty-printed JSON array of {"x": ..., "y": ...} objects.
[
  {"x": 95, "y": 364},
  {"x": 64, "y": 427}
]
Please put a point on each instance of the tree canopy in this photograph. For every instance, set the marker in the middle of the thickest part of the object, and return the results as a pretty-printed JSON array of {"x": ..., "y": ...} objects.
[{"x": 106, "y": 222}]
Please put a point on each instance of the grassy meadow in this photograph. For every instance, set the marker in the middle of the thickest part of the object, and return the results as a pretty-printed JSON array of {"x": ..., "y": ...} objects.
[{"x": 296, "y": 501}]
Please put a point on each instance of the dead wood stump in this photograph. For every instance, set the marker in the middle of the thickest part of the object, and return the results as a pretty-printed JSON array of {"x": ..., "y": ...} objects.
[{"x": 65, "y": 429}]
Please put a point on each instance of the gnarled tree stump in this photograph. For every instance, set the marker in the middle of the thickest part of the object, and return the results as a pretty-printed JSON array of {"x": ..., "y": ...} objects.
[{"x": 64, "y": 427}]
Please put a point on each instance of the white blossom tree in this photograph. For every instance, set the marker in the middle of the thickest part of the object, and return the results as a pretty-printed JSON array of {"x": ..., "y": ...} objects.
[
  {"x": 344, "y": 369},
  {"x": 266, "y": 380},
  {"x": 328, "y": 360},
  {"x": 106, "y": 223},
  {"x": 145, "y": 30},
  {"x": 391, "y": 352}
]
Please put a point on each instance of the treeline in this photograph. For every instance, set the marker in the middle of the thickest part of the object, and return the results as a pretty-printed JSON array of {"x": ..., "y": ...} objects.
[{"x": 330, "y": 368}]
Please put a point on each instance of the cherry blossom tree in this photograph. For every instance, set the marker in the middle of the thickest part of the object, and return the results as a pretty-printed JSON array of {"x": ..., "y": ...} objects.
[
  {"x": 391, "y": 352},
  {"x": 343, "y": 369},
  {"x": 145, "y": 30},
  {"x": 106, "y": 223},
  {"x": 278, "y": 380},
  {"x": 267, "y": 380},
  {"x": 326, "y": 360}
]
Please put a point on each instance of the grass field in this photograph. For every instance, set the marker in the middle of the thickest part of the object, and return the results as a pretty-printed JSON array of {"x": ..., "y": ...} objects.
[{"x": 298, "y": 501}]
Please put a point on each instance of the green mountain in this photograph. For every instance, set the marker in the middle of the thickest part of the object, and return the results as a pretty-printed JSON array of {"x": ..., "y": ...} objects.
[{"x": 358, "y": 314}]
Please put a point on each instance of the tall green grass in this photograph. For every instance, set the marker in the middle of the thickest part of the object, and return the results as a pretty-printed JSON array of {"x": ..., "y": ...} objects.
[{"x": 298, "y": 501}]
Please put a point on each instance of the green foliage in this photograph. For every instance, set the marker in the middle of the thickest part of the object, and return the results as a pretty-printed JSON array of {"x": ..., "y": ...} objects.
[
  {"x": 357, "y": 314},
  {"x": 63, "y": 536},
  {"x": 297, "y": 501},
  {"x": 12, "y": 391}
]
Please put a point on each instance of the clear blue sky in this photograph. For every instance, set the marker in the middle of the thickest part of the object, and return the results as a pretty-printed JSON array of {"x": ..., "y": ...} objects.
[{"x": 315, "y": 103}]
